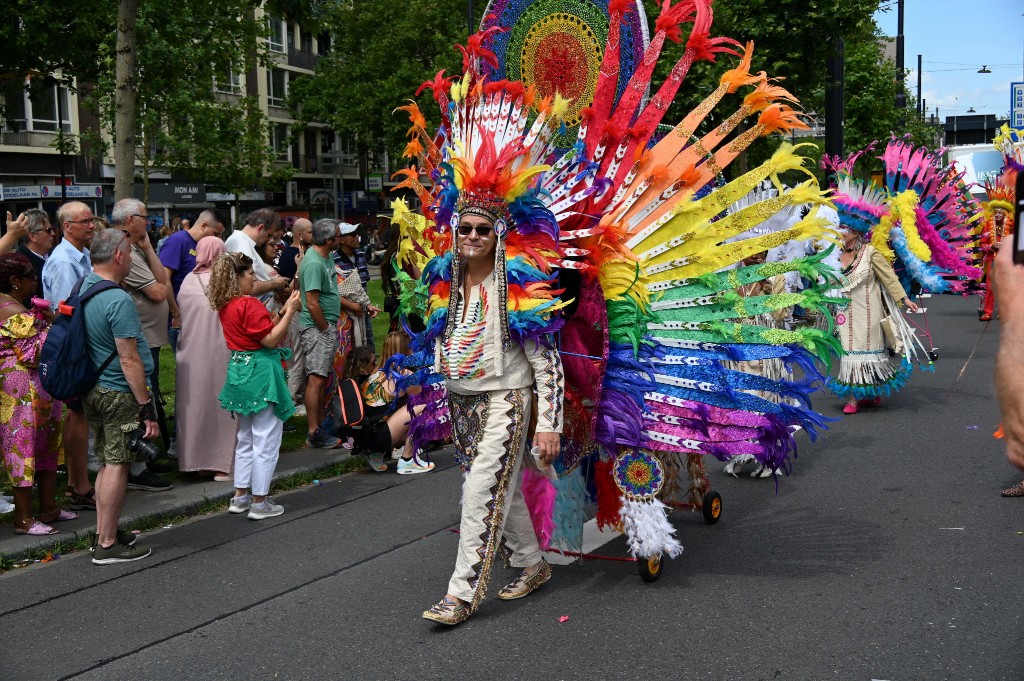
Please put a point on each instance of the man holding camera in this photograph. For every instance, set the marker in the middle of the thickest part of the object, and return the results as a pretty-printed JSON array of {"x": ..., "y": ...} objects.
[{"x": 119, "y": 407}]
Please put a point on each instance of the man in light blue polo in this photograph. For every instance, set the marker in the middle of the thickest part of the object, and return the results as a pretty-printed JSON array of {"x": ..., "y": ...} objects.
[{"x": 68, "y": 262}]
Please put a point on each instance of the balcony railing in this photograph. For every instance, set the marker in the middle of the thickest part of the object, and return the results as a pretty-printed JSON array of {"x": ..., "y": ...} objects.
[
  {"x": 302, "y": 59},
  {"x": 25, "y": 138}
]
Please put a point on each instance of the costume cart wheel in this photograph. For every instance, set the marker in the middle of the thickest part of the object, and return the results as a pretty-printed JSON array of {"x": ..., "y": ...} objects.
[
  {"x": 934, "y": 355},
  {"x": 650, "y": 568},
  {"x": 712, "y": 507}
]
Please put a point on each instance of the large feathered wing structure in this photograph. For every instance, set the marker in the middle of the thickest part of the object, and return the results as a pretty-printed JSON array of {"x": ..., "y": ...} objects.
[{"x": 644, "y": 256}]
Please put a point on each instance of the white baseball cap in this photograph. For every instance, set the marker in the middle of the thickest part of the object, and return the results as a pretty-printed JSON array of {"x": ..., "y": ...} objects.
[{"x": 347, "y": 227}]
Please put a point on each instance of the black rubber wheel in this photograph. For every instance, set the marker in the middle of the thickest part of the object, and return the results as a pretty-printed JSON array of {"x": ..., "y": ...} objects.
[
  {"x": 712, "y": 507},
  {"x": 650, "y": 568},
  {"x": 934, "y": 355}
]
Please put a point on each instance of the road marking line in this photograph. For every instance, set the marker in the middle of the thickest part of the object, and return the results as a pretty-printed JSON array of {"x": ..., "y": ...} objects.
[{"x": 593, "y": 538}]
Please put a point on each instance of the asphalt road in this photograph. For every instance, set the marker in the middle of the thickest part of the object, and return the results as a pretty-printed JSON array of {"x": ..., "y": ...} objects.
[{"x": 888, "y": 554}]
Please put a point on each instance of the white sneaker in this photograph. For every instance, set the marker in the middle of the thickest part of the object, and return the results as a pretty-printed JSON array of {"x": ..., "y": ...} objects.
[
  {"x": 397, "y": 454},
  {"x": 240, "y": 504},
  {"x": 267, "y": 509},
  {"x": 6, "y": 507},
  {"x": 413, "y": 466},
  {"x": 300, "y": 410}
]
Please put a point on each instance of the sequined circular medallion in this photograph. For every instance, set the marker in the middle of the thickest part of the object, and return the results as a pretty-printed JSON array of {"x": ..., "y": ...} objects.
[
  {"x": 558, "y": 46},
  {"x": 638, "y": 474}
]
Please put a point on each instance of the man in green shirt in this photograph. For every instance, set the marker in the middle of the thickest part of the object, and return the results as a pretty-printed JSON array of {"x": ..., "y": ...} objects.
[{"x": 318, "y": 321}]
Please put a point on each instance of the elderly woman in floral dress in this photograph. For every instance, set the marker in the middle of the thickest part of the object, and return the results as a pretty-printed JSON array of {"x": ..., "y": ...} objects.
[{"x": 29, "y": 418}]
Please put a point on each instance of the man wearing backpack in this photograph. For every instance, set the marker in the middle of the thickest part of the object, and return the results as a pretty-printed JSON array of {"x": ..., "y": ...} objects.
[
  {"x": 69, "y": 262},
  {"x": 119, "y": 403}
]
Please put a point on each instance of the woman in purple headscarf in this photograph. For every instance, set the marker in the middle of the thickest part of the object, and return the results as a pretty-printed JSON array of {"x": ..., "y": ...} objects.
[{"x": 206, "y": 433}]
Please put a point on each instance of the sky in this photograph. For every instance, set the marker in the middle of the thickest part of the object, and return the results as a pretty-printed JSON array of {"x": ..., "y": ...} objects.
[{"x": 955, "y": 39}]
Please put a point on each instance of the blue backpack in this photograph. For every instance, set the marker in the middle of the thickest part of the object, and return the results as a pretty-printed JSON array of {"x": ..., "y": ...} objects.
[{"x": 65, "y": 369}]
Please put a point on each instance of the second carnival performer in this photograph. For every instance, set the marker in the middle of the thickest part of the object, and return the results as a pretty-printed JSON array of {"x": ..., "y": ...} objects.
[
  {"x": 998, "y": 226},
  {"x": 909, "y": 220},
  {"x": 865, "y": 371}
]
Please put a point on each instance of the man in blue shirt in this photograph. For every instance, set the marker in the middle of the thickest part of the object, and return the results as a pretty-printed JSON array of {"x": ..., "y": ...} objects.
[
  {"x": 68, "y": 262},
  {"x": 120, "y": 402},
  {"x": 178, "y": 256}
]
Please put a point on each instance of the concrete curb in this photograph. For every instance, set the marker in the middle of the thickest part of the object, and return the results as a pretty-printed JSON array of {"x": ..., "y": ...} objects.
[{"x": 182, "y": 499}]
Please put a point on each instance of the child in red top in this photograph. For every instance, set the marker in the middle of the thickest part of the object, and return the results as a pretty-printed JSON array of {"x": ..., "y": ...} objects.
[{"x": 256, "y": 389}]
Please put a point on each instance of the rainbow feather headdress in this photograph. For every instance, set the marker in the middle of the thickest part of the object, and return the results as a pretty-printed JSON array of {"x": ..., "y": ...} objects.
[{"x": 916, "y": 217}]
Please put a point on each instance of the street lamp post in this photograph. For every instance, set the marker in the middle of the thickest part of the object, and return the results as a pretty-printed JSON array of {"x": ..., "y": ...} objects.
[{"x": 901, "y": 96}]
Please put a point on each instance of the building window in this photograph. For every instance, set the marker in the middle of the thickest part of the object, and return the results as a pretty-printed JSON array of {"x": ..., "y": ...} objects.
[
  {"x": 279, "y": 141},
  {"x": 305, "y": 41},
  {"x": 230, "y": 84},
  {"x": 323, "y": 43},
  {"x": 276, "y": 39},
  {"x": 277, "y": 87},
  {"x": 290, "y": 30},
  {"x": 36, "y": 108},
  {"x": 326, "y": 141}
]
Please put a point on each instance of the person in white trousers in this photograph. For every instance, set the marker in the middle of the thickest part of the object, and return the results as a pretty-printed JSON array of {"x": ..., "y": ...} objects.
[{"x": 256, "y": 389}]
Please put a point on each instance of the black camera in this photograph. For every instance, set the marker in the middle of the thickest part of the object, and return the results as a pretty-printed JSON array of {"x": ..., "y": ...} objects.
[{"x": 138, "y": 444}]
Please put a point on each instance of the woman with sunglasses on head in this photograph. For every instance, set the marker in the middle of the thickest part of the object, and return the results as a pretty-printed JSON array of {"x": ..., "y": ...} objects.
[
  {"x": 256, "y": 389},
  {"x": 29, "y": 418}
]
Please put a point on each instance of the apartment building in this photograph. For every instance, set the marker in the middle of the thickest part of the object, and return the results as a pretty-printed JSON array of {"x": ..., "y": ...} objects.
[{"x": 35, "y": 173}]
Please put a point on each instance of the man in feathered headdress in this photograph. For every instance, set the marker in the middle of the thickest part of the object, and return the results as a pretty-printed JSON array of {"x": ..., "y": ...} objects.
[
  {"x": 490, "y": 313},
  {"x": 997, "y": 226}
]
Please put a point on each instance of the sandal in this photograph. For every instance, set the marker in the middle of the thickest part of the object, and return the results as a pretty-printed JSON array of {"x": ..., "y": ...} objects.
[
  {"x": 524, "y": 584},
  {"x": 850, "y": 409},
  {"x": 1015, "y": 491},
  {"x": 81, "y": 502},
  {"x": 450, "y": 611},
  {"x": 37, "y": 529},
  {"x": 62, "y": 516}
]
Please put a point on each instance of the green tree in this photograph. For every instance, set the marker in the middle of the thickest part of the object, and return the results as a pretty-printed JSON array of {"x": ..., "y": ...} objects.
[
  {"x": 380, "y": 54},
  {"x": 183, "y": 51}
]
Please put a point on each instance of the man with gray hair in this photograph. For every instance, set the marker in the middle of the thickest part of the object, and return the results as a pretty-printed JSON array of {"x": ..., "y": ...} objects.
[
  {"x": 119, "y": 404},
  {"x": 37, "y": 243},
  {"x": 321, "y": 307},
  {"x": 147, "y": 283},
  {"x": 68, "y": 262}
]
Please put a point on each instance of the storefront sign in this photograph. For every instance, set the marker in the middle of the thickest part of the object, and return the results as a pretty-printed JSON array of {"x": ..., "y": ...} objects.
[
  {"x": 217, "y": 197},
  {"x": 173, "y": 193},
  {"x": 49, "y": 192},
  {"x": 1017, "y": 106}
]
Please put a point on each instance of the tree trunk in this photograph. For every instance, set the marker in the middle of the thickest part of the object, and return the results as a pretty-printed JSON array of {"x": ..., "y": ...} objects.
[{"x": 126, "y": 71}]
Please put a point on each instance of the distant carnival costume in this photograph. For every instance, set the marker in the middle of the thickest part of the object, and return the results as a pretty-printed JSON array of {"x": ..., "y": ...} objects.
[
  {"x": 1001, "y": 195},
  {"x": 616, "y": 238},
  {"x": 914, "y": 220}
]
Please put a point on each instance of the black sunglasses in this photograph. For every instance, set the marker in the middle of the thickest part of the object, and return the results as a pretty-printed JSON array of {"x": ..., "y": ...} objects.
[{"x": 481, "y": 230}]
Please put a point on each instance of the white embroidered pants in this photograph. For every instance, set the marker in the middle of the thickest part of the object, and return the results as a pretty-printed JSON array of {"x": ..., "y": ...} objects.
[
  {"x": 490, "y": 430},
  {"x": 257, "y": 449}
]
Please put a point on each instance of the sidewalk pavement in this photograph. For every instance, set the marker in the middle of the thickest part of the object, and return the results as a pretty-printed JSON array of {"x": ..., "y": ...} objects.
[{"x": 182, "y": 499}]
